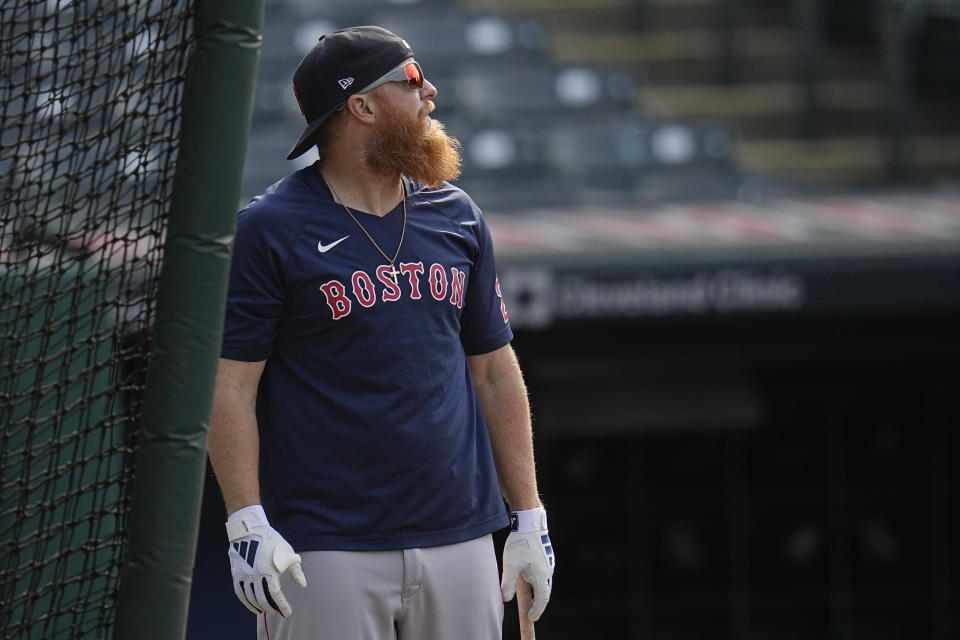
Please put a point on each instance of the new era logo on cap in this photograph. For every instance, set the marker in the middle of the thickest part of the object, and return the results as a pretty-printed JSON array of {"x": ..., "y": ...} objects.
[{"x": 337, "y": 66}]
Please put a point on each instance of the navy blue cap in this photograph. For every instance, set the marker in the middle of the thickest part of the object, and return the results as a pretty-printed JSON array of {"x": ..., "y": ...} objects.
[{"x": 338, "y": 66}]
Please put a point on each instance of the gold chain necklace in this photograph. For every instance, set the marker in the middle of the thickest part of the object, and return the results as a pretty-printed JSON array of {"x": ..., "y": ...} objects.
[{"x": 403, "y": 230}]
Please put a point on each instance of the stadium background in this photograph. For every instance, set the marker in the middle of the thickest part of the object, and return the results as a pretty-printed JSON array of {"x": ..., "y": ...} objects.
[{"x": 728, "y": 231}]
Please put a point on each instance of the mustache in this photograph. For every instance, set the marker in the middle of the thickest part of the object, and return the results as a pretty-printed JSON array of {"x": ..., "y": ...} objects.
[{"x": 428, "y": 108}]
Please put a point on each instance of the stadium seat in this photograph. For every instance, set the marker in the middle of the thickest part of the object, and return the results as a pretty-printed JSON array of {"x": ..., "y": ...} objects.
[
  {"x": 628, "y": 153},
  {"x": 310, "y": 7},
  {"x": 542, "y": 89},
  {"x": 446, "y": 40},
  {"x": 506, "y": 167}
]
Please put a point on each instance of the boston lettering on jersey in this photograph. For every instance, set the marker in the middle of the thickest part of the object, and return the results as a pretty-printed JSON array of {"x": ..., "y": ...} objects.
[{"x": 362, "y": 289}]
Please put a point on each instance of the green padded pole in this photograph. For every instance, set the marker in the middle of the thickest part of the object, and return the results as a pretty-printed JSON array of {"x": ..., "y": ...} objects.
[{"x": 154, "y": 595}]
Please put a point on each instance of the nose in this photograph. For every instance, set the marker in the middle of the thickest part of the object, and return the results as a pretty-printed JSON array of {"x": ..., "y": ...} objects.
[{"x": 428, "y": 91}]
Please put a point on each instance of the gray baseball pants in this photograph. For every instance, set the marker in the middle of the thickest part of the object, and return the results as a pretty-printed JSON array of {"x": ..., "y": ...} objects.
[{"x": 450, "y": 592}]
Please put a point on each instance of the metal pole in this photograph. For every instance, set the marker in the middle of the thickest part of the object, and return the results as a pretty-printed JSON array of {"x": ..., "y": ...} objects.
[
  {"x": 901, "y": 25},
  {"x": 154, "y": 595},
  {"x": 729, "y": 17},
  {"x": 813, "y": 27}
]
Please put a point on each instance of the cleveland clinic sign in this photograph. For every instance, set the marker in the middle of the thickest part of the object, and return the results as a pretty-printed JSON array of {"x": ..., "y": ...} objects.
[{"x": 540, "y": 297}]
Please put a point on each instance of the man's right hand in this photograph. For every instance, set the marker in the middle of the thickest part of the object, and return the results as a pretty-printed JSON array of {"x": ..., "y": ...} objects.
[
  {"x": 528, "y": 554},
  {"x": 258, "y": 555}
]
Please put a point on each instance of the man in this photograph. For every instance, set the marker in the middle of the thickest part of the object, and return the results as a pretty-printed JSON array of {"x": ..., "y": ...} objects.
[{"x": 369, "y": 410}]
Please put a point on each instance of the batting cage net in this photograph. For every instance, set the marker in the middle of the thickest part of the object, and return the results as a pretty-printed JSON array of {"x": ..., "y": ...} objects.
[{"x": 90, "y": 96}]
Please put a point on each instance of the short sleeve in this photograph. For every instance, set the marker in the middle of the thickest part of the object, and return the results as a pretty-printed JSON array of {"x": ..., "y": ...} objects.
[
  {"x": 256, "y": 290},
  {"x": 484, "y": 326}
]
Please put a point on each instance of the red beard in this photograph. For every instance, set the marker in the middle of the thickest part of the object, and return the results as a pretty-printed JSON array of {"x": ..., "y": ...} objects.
[{"x": 415, "y": 147}]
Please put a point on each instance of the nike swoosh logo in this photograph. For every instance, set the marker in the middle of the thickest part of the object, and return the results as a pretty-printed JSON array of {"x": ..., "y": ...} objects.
[
  {"x": 469, "y": 223},
  {"x": 323, "y": 248}
]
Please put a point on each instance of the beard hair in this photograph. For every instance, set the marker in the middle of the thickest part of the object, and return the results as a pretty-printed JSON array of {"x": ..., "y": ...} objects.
[{"x": 415, "y": 147}]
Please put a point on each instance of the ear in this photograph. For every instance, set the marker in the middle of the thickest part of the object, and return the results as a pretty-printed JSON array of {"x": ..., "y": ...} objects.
[{"x": 363, "y": 107}]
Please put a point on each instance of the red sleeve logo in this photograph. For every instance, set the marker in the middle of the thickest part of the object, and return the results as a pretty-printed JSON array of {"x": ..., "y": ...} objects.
[{"x": 503, "y": 303}]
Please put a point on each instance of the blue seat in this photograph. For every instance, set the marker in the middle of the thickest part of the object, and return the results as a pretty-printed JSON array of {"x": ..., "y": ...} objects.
[
  {"x": 542, "y": 89},
  {"x": 628, "y": 154}
]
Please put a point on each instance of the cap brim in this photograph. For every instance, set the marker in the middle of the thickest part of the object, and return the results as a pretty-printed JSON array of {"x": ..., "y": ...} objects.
[{"x": 306, "y": 140}]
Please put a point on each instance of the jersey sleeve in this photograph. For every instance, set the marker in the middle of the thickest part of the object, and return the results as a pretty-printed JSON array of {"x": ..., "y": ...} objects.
[
  {"x": 256, "y": 292},
  {"x": 484, "y": 326}
]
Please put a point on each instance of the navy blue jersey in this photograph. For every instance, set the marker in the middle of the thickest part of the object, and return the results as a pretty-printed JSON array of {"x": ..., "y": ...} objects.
[{"x": 370, "y": 434}]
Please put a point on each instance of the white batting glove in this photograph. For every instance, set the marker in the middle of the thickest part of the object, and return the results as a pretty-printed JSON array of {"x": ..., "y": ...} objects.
[
  {"x": 528, "y": 553},
  {"x": 258, "y": 555}
]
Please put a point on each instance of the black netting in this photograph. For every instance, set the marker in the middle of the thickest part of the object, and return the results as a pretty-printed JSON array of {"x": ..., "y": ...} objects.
[{"x": 90, "y": 97}]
